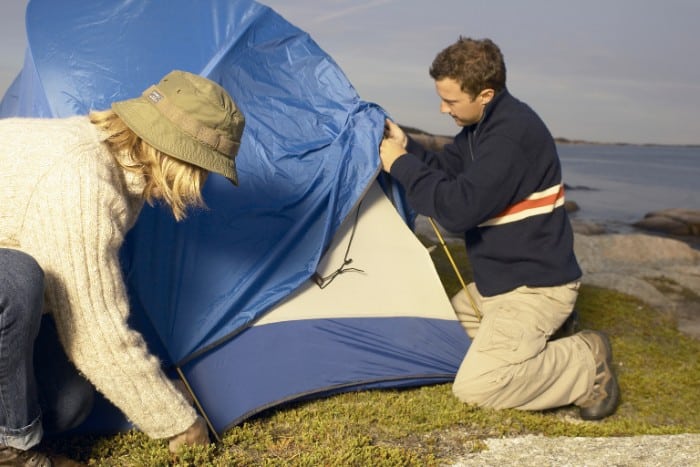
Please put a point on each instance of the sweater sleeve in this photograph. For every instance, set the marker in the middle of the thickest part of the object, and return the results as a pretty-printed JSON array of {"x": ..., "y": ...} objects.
[
  {"x": 449, "y": 160},
  {"x": 78, "y": 235},
  {"x": 460, "y": 198}
]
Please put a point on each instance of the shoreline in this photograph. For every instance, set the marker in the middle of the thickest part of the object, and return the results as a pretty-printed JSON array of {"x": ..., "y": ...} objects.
[
  {"x": 588, "y": 226},
  {"x": 580, "y": 224}
]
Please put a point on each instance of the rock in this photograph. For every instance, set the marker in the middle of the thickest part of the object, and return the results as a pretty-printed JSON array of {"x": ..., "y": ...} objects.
[
  {"x": 663, "y": 272},
  {"x": 571, "y": 206},
  {"x": 633, "y": 251},
  {"x": 537, "y": 451},
  {"x": 682, "y": 222},
  {"x": 587, "y": 227},
  {"x": 568, "y": 187},
  {"x": 430, "y": 142}
]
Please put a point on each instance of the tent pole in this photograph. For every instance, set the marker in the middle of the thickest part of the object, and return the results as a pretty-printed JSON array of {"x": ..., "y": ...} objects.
[
  {"x": 454, "y": 267},
  {"x": 197, "y": 404}
]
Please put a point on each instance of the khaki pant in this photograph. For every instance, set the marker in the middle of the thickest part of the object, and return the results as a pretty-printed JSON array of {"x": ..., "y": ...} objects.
[{"x": 511, "y": 363}]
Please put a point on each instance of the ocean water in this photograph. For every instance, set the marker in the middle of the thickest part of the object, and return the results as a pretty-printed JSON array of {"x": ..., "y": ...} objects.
[{"x": 619, "y": 184}]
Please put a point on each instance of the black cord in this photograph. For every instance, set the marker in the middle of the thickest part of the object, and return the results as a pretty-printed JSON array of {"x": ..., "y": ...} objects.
[{"x": 323, "y": 282}]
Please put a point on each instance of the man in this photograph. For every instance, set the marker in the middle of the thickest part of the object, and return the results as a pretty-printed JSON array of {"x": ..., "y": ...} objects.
[{"x": 500, "y": 184}]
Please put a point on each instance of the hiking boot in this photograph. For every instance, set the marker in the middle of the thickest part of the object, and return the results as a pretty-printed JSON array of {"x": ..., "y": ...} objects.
[
  {"x": 17, "y": 458},
  {"x": 12, "y": 457},
  {"x": 568, "y": 328},
  {"x": 605, "y": 395}
]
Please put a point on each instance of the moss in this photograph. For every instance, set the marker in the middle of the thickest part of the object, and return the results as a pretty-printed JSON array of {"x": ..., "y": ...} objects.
[{"x": 658, "y": 369}]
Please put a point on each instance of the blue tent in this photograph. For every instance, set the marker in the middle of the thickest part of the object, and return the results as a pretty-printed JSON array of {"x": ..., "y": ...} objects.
[{"x": 201, "y": 288}]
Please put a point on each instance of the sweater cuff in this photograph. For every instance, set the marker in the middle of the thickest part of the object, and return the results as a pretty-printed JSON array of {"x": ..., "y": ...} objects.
[
  {"x": 405, "y": 167},
  {"x": 414, "y": 147}
]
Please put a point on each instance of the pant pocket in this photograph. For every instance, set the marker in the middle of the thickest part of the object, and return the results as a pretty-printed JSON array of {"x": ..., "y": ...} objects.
[{"x": 510, "y": 340}]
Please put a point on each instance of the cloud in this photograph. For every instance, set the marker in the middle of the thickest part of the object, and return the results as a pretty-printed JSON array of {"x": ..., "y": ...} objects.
[{"x": 351, "y": 10}]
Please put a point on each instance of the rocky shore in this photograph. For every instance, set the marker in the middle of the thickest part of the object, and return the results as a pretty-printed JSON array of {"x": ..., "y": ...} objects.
[
  {"x": 657, "y": 262},
  {"x": 630, "y": 451}
]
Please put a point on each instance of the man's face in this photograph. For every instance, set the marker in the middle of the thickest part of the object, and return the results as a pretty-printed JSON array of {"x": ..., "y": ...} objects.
[{"x": 462, "y": 107}]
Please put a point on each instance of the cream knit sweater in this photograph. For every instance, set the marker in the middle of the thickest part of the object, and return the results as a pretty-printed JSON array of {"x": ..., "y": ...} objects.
[{"x": 64, "y": 201}]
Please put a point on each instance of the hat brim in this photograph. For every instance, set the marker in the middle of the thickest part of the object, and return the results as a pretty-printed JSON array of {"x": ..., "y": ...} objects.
[{"x": 155, "y": 129}]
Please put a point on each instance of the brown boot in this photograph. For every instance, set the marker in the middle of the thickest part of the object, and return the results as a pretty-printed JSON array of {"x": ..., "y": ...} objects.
[
  {"x": 31, "y": 458},
  {"x": 605, "y": 395},
  {"x": 197, "y": 433},
  {"x": 18, "y": 458}
]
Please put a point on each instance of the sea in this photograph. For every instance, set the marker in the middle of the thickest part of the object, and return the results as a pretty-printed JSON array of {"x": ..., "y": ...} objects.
[{"x": 616, "y": 185}]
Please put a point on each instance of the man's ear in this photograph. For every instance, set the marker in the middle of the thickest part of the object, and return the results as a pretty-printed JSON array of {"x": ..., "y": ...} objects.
[{"x": 486, "y": 95}]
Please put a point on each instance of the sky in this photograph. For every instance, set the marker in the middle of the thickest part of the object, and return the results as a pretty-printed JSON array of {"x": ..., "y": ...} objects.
[{"x": 596, "y": 70}]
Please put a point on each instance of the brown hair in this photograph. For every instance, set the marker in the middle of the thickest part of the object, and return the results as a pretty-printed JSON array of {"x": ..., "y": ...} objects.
[
  {"x": 475, "y": 64},
  {"x": 177, "y": 183}
]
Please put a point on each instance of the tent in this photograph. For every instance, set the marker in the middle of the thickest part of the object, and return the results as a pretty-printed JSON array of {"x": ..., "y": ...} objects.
[{"x": 304, "y": 280}]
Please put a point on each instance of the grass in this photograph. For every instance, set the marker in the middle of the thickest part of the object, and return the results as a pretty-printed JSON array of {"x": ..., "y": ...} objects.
[{"x": 658, "y": 369}]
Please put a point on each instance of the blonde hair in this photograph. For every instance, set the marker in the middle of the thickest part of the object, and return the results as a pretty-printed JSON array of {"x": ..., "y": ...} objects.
[{"x": 177, "y": 183}]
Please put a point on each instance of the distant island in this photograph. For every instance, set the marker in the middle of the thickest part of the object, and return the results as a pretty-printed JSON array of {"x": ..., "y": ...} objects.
[
  {"x": 560, "y": 140},
  {"x": 432, "y": 139}
]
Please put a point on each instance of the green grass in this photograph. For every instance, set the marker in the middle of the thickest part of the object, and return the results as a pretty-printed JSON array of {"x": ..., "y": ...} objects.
[{"x": 658, "y": 369}]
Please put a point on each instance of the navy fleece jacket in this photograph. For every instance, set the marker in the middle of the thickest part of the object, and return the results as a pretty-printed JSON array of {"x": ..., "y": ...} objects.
[{"x": 500, "y": 184}]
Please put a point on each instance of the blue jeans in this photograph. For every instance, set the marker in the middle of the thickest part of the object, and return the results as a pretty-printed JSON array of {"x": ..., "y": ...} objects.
[{"x": 39, "y": 388}]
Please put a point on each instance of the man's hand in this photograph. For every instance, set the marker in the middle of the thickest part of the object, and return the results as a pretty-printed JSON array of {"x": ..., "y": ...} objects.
[
  {"x": 393, "y": 145},
  {"x": 393, "y": 132}
]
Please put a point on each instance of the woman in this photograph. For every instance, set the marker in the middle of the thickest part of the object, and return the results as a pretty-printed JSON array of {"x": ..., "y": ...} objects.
[{"x": 70, "y": 189}]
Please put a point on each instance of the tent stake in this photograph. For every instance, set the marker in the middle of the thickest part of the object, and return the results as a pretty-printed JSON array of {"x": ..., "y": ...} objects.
[
  {"x": 454, "y": 267},
  {"x": 199, "y": 406}
]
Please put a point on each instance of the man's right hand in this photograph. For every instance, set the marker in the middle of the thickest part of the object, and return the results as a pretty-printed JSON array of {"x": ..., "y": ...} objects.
[{"x": 393, "y": 132}]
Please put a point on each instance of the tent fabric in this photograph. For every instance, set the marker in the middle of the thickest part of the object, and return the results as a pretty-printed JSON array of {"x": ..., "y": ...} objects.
[
  {"x": 307, "y": 159},
  {"x": 304, "y": 161},
  {"x": 366, "y": 329}
]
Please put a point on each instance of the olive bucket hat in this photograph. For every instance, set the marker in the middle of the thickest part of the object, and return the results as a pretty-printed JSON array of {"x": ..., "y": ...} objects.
[{"x": 190, "y": 118}]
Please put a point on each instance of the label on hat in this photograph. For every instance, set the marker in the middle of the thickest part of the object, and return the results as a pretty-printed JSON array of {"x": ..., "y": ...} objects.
[{"x": 155, "y": 96}]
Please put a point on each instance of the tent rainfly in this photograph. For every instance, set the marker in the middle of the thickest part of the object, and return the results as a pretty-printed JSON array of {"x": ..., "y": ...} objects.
[{"x": 246, "y": 299}]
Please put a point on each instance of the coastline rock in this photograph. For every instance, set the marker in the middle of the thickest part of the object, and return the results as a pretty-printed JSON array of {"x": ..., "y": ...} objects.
[
  {"x": 660, "y": 271},
  {"x": 430, "y": 142},
  {"x": 663, "y": 272},
  {"x": 681, "y": 222},
  {"x": 571, "y": 206},
  {"x": 587, "y": 227}
]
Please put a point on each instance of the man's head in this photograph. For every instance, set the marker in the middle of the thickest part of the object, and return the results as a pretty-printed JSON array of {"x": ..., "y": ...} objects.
[{"x": 468, "y": 74}]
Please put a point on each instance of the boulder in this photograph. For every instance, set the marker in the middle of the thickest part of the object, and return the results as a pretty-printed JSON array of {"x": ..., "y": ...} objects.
[
  {"x": 587, "y": 227},
  {"x": 633, "y": 251},
  {"x": 571, "y": 206},
  {"x": 430, "y": 142},
  {"x": 681, "y": 222},
  {"x": 663, "y": 272}
]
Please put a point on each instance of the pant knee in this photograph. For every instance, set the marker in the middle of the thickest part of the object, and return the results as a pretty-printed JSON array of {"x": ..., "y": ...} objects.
[
  {"x": 23, "y": 264},
  {"x": 21, "y": 293},
  {"x": 485, "y": 390},
  {"x": 21, "y": 279}
]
